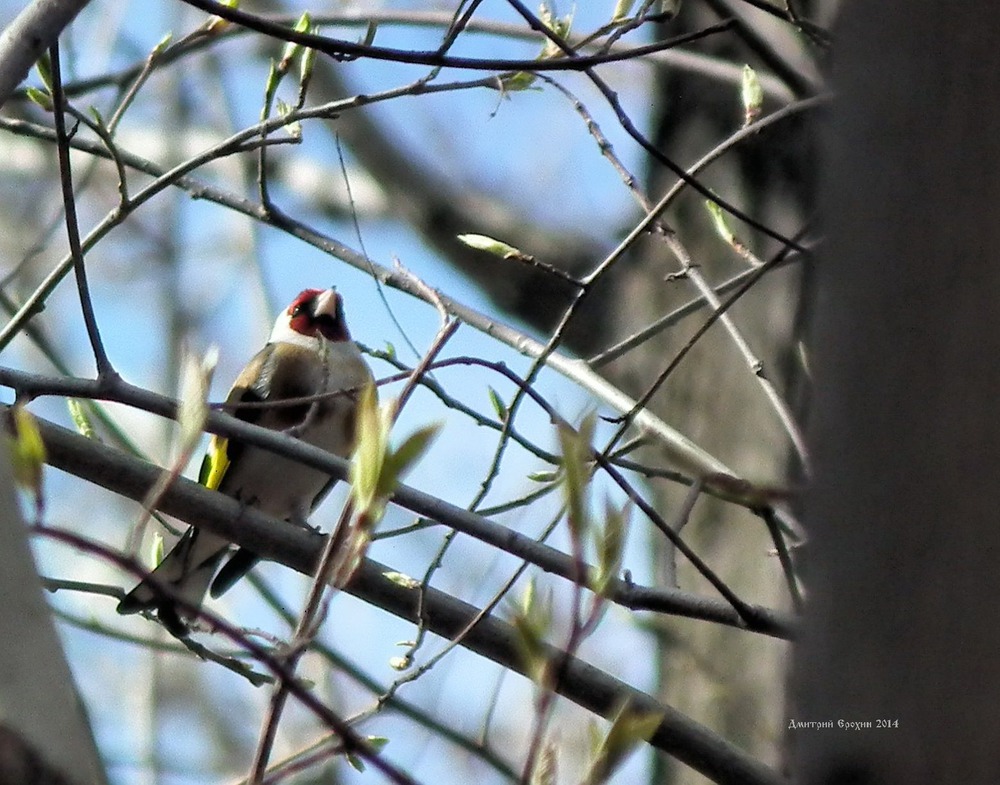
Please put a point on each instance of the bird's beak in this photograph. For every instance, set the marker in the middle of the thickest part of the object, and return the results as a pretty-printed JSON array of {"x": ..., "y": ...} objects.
[{"x": 327, "y": 304}]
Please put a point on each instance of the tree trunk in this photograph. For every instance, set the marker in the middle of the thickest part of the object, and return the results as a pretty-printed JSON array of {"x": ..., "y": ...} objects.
[
  {"x": 44, "y": 732},
  {"x": 903, "y": 515}
]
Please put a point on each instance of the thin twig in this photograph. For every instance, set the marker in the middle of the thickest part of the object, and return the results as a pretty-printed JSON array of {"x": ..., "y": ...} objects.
[
  {"x": 681, "y": 519},
  {"x": 774, "y": 57},
  {"x": 756, "y": 366},
  {"x": 783, "y": 257},
  {"x": 691, "y": 742},
  {"x": 395, "y": 703},
  {"x": 352, "y": 741},
  {"x": 460, "y": 21},
  {"x": 104, "y": 368},
  {"x": 757, "y": 274},
  {"x": 710, "y": 67},
  {"x": 819, "y": 35},
  {"x": 341, "y": 49},
  {"x": 781, "y": 547},
  {"x": 632, "y": 130},
  {"x": 305, "y": 630},
  {"x": 457, "y": 639}
]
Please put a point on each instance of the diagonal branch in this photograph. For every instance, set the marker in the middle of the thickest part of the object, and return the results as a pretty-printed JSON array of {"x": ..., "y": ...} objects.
[
  {"x": 108, "y": 468},
  {"x": 26, "y": 38},
  {"x": 582, "y": 683}
]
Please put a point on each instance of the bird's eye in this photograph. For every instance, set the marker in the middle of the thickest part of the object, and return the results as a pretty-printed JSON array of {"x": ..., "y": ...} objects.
[{"x": 296, "y": 310}]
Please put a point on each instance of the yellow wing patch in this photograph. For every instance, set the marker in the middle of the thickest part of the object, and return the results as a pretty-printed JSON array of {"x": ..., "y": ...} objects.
[{"x": 215, "y": 463}]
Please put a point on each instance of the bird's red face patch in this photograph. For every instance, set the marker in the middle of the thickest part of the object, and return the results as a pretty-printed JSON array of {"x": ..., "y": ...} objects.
[{"x": 318, "y": 312}]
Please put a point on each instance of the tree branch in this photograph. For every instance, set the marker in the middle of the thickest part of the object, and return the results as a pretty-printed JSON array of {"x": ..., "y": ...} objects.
[
  {"x": 85, "y": 458},
  {"x": 25, "y": 39},
  {"x": 342, "y": 50},
  {"x": 585, "y": 685}
]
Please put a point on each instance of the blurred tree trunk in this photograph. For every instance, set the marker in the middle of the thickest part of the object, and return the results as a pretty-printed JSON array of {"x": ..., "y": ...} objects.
[
  {"x": 903, "y": 515},
  {"x": 45, "y": 736}
]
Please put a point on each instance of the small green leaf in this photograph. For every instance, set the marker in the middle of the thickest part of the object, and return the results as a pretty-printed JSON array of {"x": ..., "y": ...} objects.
[
  {"x": 81, "y": 418},
  {"x": 547, "y": 768},
  {"x": 390, "y": 350},
  {"x": 498, "y": 405},
  {"x": 294, "y": 128},
  {"x": 292, "y": 49},
  {"x": 527, "y": 604},
  {"x": 44, "y": 68},
  {"x": 719, "y": 222},
  {"x": 274, "y": 77},
  {"x": 27, "y": 451},
  {"x": 217, "y": 23},
  {"x": 304, "y": 23},
  {"x": 377, "y": 743},
  {"x": 161, "y": 46},
  {"x": 543, "y": 476},
  {"x": 576, "y": 454},
  {"x": 622, "y": 10},
  {"x": 610, "y": 547},
  {"x": 400, "y": 460},
  {"x": 483, "y": 243},
  {"x": 722, "y": 229},
  {"x": 369, "y": 454},
  {"x": 629, "y": 728},
  {"x": 156, "y": 549},
  {"x": 594, "y": 737},
  {"x": 532, "y": 620},
  {"x": 40, "y": 97},
  {"x": 306, "y": 64},
  {"x": 376, "y": 468},
  {"x": 517, "y": 81},
  {"x": 98, "y": 117},
  {"x": 560, "y": 26},
  {"x": 751, "y": 94},
  {"x": 196, "y": 378}
]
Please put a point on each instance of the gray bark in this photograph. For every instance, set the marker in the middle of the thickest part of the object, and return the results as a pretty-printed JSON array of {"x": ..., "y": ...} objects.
[
  {"x": 903, "y": 516},
  {"x": 29, "y": 35},
  {"x": 40, "y": 711}
]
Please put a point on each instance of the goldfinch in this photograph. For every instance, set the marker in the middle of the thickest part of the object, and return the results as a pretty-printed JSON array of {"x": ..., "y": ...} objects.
[{"x": 309, "y": 352}]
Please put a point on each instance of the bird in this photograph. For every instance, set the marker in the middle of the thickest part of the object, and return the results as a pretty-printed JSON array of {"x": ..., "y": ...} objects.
[{"x": 309, "y": 352}]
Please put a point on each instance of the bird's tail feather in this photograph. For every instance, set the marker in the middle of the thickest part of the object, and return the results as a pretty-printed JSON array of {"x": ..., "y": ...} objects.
[{"x": 185, "y": 573}]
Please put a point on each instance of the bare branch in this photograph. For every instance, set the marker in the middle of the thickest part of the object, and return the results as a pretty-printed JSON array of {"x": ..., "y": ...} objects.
[
  {"x": 589, "y": 687},
  {"x": 25, "y": 39},
  {"x": 116, "y": 472},
  {"x": 349, "y": 50},
  {"x": 104, "y": 367}
]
